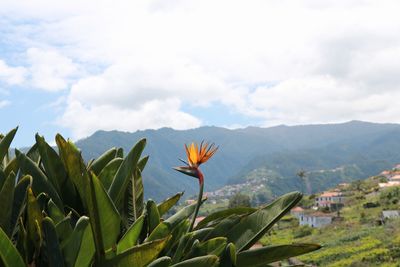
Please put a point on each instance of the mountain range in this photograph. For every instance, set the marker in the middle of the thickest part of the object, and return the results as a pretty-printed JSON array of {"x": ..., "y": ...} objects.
[{"x": 327, "y": 153}]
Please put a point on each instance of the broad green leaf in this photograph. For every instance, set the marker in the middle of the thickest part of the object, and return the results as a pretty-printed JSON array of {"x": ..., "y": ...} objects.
[
  {"x": 164, "y": 228},
  {"x": 3, "y": 178},
  {"x": 216, "y": 217},
  {"x": 35, "y": 218},
  {"x": 73, "y": 244},
  {"x": 40, "y": 184},
  {"x": 213, "y": 246},
  {"x": 12, "y": 166},
  {"x": 64, "y": 228},
  {"x": 104, "y": 217},
  {"x": 86, "y": 249},
  {"x": 133, "y": 200},
  {"x": 56, "y": 173},
  {"x": 54, "y": 212},
  {"x": 167, "y": 204},
  {"x": 5, "y": 143},
  {"x": 141, "y": 255},
  {"x": 6, "y": 203},
  {"x": 33, "y": 154},
  {"x": 228, "y": 259},
  {"x": 153, "y": 217},
  {"x": 203, "y": 261},
  {"x": 52, "y": 247},
  {"x": 131, "y": 236},
  {"x": 98, "y": 165},
  {"x": 19, "y": 201},
  {"x": 253, "y": 226},
  {"x": 224, "y": 227},
  {"x": 9, "y": 255},
  {"x": 161, "y": 262},
  {"x": 142, "y": 163},
  {"x": 107, "y": 174},
  {"x": 179, "y": 231},
  {"x": 75, "y": 167},
  {"x": 265, "y": 255},
  {"x": 125, "y": 173}
]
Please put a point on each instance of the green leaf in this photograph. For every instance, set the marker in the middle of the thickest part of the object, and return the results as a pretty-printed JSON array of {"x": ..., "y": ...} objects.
[
  {"x": 133, "y": 200},
  {"x": 216, "y": 217},
  {"x": 213, "y": 246},
  {"x": 125, "y": 173},
  {"x": 203, "y": 261},
  {"x": 131, "y": 236},
  {"x": 228, "y": 259},
  {"x": 161, "y": 262},
  {"x": 6, "y": 203},
  {"x": 86, "y": 250},
  {"x": 64, "y": 228},
  {"x": 19, "y": 201},
  {"x": 98, "y": 165},
  {"x": 40, "y": 184},
  {"x": 265, "y": 255},
  {"x": 167, "y": 204},
  {"x": 52, "y": 247},
  {"x": 33, "y": 154},
  {"x": 164, "y": 228},
  {"x": 5, "y": 143},
  {"x": 104, "y": 217},
  {"x": 224, "y": 227},
  {"x": 12, "y": 166},
  {"x": 54, "y": 212},
  {"x": 9, "y": 254},
  {"x": 141, "y": 255},
  {"x": 75, "y": 167},
  {"x": 142, "y": 163},
  {"x": 34, "y": 220},
  {"x": 56, "y": 173},
  {"x": 72, "y": 245},
  {"x": 252, "y": 227},
  {"x": 107, "y": 174},
  {"x": 153, "y": 217}
]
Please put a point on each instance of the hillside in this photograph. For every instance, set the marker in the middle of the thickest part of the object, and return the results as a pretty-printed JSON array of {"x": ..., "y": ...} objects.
[
  {"x": 360, "y": 238},
  {"x": 359, "y": 148}
]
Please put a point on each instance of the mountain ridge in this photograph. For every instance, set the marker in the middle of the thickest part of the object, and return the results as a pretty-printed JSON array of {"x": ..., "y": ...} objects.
[{"x": 285, "y": 148}]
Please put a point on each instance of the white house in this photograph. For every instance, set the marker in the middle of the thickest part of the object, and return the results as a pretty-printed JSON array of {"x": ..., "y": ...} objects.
[
  {"x": 316, "y": 219},
  {"x": 326, "y": 199}
]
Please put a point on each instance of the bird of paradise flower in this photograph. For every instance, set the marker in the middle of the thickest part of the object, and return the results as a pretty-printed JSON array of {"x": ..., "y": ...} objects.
[{"x": 197, "y": 155}]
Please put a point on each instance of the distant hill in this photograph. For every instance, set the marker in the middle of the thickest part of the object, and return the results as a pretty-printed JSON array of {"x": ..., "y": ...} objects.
[{"x": 360, "y": 149}]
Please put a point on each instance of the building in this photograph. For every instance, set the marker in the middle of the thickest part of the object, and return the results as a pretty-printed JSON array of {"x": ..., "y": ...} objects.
[
  {"x": 390, "y": 214},
  {"x": 316, "y": 219},
  {"x": 389, "y": 184},
  {"x": 297, "y": 212},
  {"x": 327, "y": 199}
]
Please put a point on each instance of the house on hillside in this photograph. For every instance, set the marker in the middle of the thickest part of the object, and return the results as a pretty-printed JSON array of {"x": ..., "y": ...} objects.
[
  {"x": 389, "y": 214},
  {"x": 330, "y": 199},
  {"x": 297, "y": 212},
  {"x": 395, "y": 178},
  {"x": 316, "y": 219},
  {"x": 389, "y": 184}
]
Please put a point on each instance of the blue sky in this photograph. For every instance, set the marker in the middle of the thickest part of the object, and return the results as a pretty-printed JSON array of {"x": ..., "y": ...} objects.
[{"x": 75, "y": 67}]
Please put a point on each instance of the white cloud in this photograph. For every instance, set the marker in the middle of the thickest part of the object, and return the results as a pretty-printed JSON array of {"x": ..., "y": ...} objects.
[
  {"x": 12, "y": 75},
  {"x": 151, "y": 115},
  {"x": 4, "y": 103},
  {"x": 49, "y": 69},
  {"x": 288, "y": 62}
]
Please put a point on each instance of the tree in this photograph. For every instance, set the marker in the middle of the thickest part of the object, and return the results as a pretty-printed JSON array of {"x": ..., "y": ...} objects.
[{"x": 239, "y": 200}]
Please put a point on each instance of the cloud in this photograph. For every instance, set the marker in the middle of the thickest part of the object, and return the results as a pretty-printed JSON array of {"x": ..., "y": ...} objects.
[
  {"x": 150, "y": 115},
  {"x": 50, "y": 70},
  {"x": 4, "y": 103},
  {"x": 278, "y": 61},
  {"x": 12, "y": 75}
]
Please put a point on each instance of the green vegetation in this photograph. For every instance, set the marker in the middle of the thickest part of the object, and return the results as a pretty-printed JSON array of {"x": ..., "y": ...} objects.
[
  {"x": 57, "y": 210},
  {"x": 239, "y": 200},
  {"x": 359, "y": 240}
]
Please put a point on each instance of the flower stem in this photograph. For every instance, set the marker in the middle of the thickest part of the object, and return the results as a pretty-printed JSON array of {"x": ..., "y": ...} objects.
[{"x": 199, "y": 199}]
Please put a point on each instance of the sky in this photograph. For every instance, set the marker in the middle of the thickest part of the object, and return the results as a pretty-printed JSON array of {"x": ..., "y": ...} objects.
[{"x": 75, "y": 67}]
